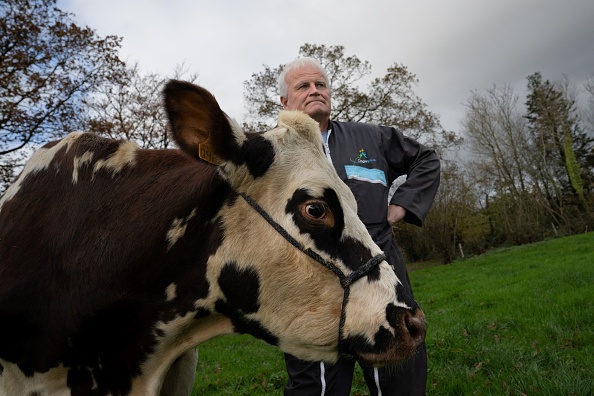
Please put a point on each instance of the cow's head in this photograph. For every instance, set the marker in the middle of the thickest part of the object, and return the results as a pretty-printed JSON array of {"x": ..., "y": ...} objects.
[{"x": 258, "y": 278}]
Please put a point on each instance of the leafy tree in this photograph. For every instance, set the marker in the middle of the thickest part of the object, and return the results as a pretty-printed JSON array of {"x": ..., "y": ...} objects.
[
  {"x": 565, "y": 150},
  {"x": 48, "y": 64},
  {"x": 588, "y": 116},
  {"x": 587, "y": 150},
  {"x": 388, "y": 100},
  {"x": 131, "y": 108}
]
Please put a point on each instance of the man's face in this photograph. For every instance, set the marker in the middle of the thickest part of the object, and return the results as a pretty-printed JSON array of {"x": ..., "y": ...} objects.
[{"x": 308, "y": 91}]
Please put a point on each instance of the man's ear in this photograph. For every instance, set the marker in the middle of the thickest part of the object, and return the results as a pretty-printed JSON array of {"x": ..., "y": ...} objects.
[{"x": 283, "y": 101}]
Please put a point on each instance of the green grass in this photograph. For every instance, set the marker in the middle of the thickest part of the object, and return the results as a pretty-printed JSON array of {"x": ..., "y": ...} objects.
[{"x": 517, "y": 321}]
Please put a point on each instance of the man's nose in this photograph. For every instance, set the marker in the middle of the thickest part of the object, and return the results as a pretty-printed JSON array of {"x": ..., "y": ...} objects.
[{"x": 313, "y": 90}]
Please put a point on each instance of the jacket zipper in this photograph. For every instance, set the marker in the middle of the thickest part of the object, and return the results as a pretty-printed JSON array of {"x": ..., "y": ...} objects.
[{"x": 327, "y": 147}]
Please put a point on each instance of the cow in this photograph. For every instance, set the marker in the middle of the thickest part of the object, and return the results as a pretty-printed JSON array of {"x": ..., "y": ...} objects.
[{"x": 117, "y": 261}]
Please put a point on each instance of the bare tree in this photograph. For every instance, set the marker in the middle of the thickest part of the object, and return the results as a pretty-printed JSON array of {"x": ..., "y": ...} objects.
[
  {"x": 505, "y": 167},
  {"x": 131, "y": 108},
  {"x": 496, "y": 133}
]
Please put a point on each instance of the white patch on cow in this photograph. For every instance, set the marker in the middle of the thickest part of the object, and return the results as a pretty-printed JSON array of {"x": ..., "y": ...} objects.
[
  {"x": 178, "y": 229},
  {"x": 124, "y": 156},
  {"x": 14, "y": 382},
  {"x": 171, "y": 292},
  {"x": 179, "y": 335},
  {"x": 237, "y": 131},
  {"x": 39, "y": 161},
  {"x": 79, "y": 162}
]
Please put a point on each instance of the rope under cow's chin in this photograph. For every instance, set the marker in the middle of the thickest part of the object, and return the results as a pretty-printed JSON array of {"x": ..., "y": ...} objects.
[{"x": 345, "y": 280}]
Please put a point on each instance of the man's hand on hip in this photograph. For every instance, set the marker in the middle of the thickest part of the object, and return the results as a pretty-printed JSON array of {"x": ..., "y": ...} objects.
[{"x": 395, "y": 214}]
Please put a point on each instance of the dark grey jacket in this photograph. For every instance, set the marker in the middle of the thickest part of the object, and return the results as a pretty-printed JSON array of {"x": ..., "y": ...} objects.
[{"x": 370, "y": 158}]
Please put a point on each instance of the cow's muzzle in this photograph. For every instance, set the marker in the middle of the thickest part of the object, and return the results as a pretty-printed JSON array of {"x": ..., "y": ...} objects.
[{"x": 392, "y": 345}]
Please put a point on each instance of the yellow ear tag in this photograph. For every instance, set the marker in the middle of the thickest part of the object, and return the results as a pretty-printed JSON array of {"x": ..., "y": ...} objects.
[{"x": 205, "y": 152}]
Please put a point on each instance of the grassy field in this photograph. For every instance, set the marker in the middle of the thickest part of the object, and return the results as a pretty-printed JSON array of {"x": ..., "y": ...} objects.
[{"x": 517, "y": 321}]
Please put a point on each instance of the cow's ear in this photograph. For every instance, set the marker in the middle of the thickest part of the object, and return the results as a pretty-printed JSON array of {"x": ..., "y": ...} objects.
[{"x": 198, "y": 125}]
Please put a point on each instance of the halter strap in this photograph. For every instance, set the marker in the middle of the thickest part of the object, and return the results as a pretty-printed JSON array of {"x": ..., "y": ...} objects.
[{"x": 345, "y": 280}]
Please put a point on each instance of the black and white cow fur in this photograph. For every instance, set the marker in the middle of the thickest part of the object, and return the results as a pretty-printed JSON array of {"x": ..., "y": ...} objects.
[{"x": 116, "y": 261}]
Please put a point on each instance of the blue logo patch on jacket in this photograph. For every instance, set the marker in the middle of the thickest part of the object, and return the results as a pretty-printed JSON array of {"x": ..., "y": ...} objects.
[{"x": 364, "y": 174}]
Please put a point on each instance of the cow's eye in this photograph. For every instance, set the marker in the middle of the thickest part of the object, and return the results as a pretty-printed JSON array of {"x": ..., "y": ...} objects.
[
  {"x": 317, "y": 213},
  {"x": 316, "y": 210}
]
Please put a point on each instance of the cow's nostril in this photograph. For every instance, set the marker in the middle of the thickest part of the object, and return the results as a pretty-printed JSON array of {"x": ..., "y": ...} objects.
[{"x": 416, "y": 325}]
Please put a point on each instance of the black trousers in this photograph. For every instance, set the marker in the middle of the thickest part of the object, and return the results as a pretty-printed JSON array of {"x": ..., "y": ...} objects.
[{"x": 318, "y": 378}]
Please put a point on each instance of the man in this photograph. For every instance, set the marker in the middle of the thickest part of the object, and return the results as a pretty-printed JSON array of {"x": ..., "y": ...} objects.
[{"x": 368, "y": 158}]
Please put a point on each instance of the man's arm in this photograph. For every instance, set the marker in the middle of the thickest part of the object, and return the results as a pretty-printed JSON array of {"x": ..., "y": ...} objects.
[{"x": 421, "y": 166}]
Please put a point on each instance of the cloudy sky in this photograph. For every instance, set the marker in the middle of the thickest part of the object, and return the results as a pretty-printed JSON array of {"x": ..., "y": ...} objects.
[{"x": 452, "y": 46}]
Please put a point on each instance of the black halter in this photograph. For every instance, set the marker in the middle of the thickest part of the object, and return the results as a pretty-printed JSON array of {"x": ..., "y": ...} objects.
[{"x": 345, "y": 280}]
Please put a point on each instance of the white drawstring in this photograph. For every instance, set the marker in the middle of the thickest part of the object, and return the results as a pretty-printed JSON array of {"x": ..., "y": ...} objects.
[
  {"x": 323, "y": 378},
  {"x": 376, "y": 378}
]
